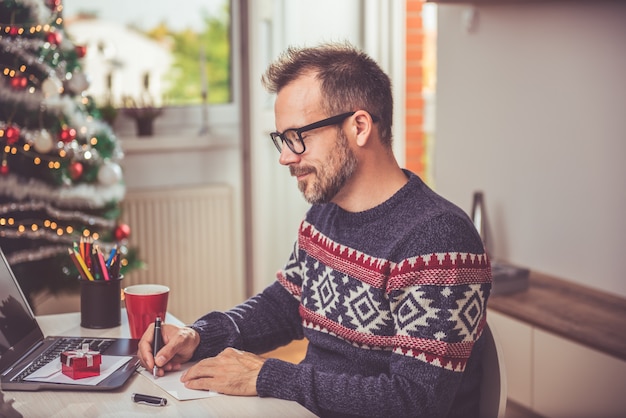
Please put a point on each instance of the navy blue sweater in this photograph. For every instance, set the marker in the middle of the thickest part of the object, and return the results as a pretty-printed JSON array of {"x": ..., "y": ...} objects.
[{"x": 392, "y": 301}]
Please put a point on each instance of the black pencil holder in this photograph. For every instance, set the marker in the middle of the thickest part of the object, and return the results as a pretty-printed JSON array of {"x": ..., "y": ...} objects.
[{"x": 100, "y": 303}]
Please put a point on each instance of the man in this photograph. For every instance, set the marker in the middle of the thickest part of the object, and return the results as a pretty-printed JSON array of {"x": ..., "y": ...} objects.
[{"x": 387, "y": 280}]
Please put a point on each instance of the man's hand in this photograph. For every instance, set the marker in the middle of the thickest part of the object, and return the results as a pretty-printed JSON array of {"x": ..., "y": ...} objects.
[
  {"x": 232, "y": 372},
  {"x": 179, "y": 345}
]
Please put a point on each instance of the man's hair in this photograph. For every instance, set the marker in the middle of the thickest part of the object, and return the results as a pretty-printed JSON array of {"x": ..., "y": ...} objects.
[{"x": 350, "y": 80}]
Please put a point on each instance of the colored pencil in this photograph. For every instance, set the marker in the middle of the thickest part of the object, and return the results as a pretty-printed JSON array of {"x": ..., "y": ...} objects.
[{"x": 83, "y": 265}]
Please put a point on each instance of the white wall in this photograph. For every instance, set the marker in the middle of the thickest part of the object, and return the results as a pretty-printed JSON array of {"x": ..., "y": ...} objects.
[{"x": 531, "y": 108}]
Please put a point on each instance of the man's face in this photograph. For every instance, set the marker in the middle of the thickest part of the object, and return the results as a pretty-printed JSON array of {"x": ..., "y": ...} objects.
[
  {"x": 328, "y": 162},
  {"x": 323, "y": 179}
]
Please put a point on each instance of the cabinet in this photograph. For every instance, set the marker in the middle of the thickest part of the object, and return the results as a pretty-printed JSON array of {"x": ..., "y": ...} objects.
[
  {"x": 516, "y": 341},
  {"x": 564, "y": 348}
]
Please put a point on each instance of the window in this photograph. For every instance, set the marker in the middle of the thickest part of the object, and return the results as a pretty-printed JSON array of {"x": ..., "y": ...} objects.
[{"x": 152, "y": 58}]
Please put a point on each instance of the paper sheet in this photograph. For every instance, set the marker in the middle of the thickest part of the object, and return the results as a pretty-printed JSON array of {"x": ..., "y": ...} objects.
[
  {"x": 51, "y": 372},
  {"x": 171, "y": 384}
]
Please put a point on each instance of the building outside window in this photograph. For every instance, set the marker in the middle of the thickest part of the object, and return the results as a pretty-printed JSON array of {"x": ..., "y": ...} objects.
[{"x": 148, "y": 58}]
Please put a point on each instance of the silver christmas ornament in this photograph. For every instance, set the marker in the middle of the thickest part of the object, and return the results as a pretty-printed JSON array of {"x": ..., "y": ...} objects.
[
  {"x": 43, "y": 142},
  {"x": 77, "y": 82},
  {"x": 52, "y": 87},
  {"x": 110, "y": 173}
]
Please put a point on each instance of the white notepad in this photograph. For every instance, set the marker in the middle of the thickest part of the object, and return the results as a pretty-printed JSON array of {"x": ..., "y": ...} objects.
[
  {"x": 51, "y": 372},
  {"x": 171, "y": 384}
]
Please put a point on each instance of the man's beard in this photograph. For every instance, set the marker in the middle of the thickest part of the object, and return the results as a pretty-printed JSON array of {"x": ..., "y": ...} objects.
[{"x": 330, "y": 178}]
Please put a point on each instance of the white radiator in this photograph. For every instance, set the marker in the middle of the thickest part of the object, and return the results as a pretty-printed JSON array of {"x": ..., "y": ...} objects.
[{"x": 185, "y": 237}]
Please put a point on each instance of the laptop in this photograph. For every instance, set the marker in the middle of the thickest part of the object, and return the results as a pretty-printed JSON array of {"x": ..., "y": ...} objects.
[{"x": 24, "y": 349}]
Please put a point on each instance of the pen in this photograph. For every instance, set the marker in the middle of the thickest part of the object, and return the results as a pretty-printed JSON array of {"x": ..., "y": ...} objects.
[
  {"x": 148, "y": 400},
  {"x": 158, "y": 343}
]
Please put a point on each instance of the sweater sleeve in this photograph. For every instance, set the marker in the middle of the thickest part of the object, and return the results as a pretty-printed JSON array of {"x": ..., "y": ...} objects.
[{"x": 260, "y": 324}]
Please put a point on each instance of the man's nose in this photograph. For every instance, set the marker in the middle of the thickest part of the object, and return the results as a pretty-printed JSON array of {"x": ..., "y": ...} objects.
[{"x": 287, "y": 156}]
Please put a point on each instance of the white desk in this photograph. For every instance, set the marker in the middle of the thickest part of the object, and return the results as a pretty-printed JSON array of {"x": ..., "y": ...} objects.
[{"x": 62, "y": 404}]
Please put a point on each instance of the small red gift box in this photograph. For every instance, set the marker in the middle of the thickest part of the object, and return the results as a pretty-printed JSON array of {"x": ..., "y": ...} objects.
[{"x": 79, "y": 364}]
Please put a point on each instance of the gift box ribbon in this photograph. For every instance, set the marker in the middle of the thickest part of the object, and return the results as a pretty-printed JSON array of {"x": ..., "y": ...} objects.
[{"x": 84, "y": 352}]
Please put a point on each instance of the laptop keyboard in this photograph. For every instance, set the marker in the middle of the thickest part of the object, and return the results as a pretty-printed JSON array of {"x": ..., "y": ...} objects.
[{"x": 62, "y": 344}]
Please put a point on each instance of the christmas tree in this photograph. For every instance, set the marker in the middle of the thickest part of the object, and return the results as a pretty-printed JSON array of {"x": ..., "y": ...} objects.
[{"x": 60, "y": 174}]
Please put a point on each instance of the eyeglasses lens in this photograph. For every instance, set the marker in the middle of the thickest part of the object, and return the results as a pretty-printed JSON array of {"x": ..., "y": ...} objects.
[
  {"x": 293, "y": 141},
  {"x": 290, "y": 138}
]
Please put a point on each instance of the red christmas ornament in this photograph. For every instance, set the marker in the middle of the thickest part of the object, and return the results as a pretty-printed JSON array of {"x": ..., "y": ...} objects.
[
  {"x": 53, "y": 4},
  {"x": 54, "y": 38},
  {"x": 19, "y": 82},
  {"x": 81, "y": 51},
  {"x": 12, "y": 134},
  {"x": 67, "y": 135},
  {"x": 4, "y": 167},
  {"x": 122, "y": 232},
  {"x": 76, "y": 170},
  {"x": 14, "y": 30}
]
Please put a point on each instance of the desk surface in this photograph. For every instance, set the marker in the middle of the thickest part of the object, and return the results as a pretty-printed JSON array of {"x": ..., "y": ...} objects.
[{"x": 61, "y": 404}]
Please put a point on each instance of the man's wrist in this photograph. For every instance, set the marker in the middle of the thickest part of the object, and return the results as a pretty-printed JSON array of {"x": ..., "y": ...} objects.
[{"x": 193, "y": 335}]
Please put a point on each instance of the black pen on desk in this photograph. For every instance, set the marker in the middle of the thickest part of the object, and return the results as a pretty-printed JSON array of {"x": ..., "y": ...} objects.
[
  {"x": 148, "y": 400},
  {"x": 157, "y": 343}
]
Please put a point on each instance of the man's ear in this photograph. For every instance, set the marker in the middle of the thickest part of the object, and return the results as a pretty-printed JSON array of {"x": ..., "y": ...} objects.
[{"x": 364, "y": 127}]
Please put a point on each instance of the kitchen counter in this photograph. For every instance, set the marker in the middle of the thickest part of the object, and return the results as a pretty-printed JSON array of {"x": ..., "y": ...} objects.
[{"x": 590, "y": 317}]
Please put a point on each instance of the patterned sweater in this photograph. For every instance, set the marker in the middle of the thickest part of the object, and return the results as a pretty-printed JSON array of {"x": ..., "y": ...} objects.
[{"x": 392, "y": 301}]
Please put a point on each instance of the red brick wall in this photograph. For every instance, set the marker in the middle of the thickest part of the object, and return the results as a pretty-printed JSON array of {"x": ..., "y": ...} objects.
[{"x": 415, "y": 144}]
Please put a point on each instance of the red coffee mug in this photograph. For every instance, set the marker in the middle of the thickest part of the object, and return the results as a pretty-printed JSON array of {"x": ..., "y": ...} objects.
[{"x": 144, "y": 303}]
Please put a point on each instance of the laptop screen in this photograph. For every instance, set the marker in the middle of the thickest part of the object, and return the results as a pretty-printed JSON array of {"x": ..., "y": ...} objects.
[{"x": 18, "y": 327}]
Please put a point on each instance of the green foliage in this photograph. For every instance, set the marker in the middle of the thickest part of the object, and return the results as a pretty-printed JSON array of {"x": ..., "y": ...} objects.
[{"x": 185, "y": 78}]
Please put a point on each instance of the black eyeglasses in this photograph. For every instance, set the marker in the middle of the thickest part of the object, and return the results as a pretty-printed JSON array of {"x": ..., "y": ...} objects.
[{"x": 293, "y": 137}]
